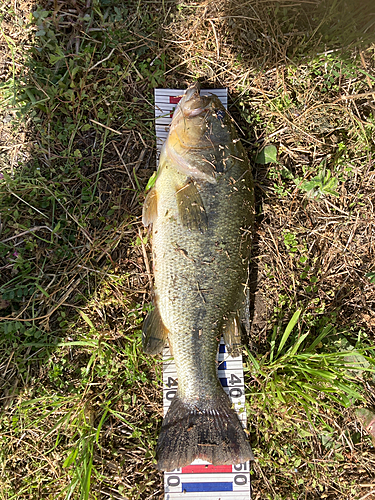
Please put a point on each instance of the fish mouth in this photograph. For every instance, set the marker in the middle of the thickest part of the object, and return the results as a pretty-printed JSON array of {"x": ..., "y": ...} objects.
[
  {"x": 192, "y": 91},
  {"x": 192, "y": 104},
  {"x": 194, "y": 112}
]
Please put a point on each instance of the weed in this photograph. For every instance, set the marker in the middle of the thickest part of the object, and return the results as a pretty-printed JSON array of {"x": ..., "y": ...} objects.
[
  {"x": 320, "y": 185},
  {"x": 267, "y": 155},
  {"x": 301, "y": 372},
  {"x": 297, "y": 390},
  {"x": 290, "y": 241}
]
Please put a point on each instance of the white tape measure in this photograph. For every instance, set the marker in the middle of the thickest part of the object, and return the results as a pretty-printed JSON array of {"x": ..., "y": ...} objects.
[{"x": 202, "y": 480}]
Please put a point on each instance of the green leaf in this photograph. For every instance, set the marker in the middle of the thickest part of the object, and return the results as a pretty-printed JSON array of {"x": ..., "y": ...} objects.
[
  {"x": 75, "y": 70},
  {"x": 87, "y": 319},
  {"x": 371, "y": 276},
  {"x": 286, "y": 174},
  {"x": 288, "y": 330},
  {"x": 253, "y": 360},
  {"x": 294, "y": 349},
  {"x": 322, "y": 184},
  {"x": 56, "y": 228},
  {"x": 349, "y": 390},
  {"x": 53, "y": 59},
  {"x": 318, "y": 373},
  {"x": 267, "y": 155},
  {"x": 273, "y": 341},
  {"x": 303, "y": 394},
  {"x": 46, "y": 294},
  {"x": 100, "y": 426},
  {"x": 326, "y": 330},
  {"x": 151, "y": 181},
  {"x": 71, "y": 458}
]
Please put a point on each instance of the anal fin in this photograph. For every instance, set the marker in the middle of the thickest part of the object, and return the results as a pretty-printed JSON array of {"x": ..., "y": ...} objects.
[
  {"x": 190, "y": 207},
  {"x": 154, "y": 333},
  {"x": 232, "y": 334},
  {"x": 150, "y": 208}
]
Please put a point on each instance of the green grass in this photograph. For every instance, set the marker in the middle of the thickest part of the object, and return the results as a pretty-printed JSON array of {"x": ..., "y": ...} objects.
[
  {"x": 297, "y": 394},
  {"x": 81, "y": 404},
  {"x": 89, "y": 401}
]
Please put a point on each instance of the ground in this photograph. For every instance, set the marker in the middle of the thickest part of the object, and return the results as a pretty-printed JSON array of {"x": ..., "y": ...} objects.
[{"x": 81, "y": 403}]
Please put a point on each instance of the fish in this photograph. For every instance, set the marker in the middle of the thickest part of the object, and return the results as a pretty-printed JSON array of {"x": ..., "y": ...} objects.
[{"x": 201, "y": 210}]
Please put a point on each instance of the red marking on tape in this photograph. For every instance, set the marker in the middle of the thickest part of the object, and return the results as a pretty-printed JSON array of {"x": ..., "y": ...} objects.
[
  {"x": 174, "y": 100},
  {"x": 200, "y": 469}
]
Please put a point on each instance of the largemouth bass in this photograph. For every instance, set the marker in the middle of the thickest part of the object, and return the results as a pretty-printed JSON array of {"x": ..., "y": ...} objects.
[{"x": 200, "y": 208}]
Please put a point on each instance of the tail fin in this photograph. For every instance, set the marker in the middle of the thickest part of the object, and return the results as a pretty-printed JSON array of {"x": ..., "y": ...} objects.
[{"x": 209, "y": 430}]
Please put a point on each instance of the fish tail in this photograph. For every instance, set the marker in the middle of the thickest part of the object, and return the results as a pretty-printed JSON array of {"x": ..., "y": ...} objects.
[{"x": 209, "y": 430}]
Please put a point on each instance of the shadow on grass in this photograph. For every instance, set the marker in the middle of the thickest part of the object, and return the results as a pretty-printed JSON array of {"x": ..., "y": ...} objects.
[
  {"x": 267, "y": 34},
  {"x": 233, "y": 39}
]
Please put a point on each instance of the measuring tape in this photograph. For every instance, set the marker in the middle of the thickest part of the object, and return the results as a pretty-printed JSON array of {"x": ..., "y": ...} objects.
[{"x": 202, "y": 480}]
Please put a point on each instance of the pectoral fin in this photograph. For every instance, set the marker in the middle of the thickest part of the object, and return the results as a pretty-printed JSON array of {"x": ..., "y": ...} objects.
[
  {"x": 154, "y": 333},
  {"x": 190, "y": 208},
  {"x": 150, "y": 208},
  {"x": 232, "y": 335}
]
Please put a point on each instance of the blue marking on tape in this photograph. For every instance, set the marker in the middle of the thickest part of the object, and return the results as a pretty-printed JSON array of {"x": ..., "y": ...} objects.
[
  {"x": 222, "y": 348},
  {"x": 222, "y": 366},
  {"x": 224, "y": 382},
  {"x": 200, "y": 487}
]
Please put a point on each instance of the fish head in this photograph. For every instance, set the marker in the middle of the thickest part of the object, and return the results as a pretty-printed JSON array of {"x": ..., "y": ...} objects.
[
  {"x": 200, "y": 128},
  {"x": 200, "y": 119}
]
